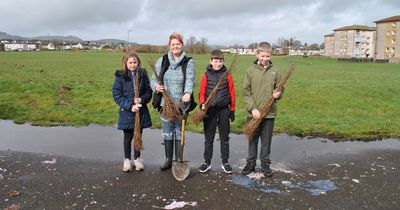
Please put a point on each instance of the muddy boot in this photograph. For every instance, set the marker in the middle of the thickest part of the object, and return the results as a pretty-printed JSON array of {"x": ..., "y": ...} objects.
[
  {"x": 169, "y": 151},
  {"x": 266, "y": 169},
  {"x": 177, "y": 148},
  {"x": 250, "y": 167}
]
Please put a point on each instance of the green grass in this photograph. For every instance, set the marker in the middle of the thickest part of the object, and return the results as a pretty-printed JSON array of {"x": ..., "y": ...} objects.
[{"x": 322, "y": 98}]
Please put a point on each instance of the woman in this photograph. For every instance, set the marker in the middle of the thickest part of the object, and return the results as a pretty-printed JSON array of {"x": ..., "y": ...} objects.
[
  {"x": 129, "y": 104},
  {"x": 177, "y": 74}
]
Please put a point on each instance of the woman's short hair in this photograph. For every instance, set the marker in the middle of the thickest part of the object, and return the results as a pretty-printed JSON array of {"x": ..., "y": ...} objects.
[{"x": 176, "y": 36}]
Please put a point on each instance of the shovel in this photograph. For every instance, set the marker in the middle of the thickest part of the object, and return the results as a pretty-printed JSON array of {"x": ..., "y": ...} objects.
[{"x": 180, "y": 168}]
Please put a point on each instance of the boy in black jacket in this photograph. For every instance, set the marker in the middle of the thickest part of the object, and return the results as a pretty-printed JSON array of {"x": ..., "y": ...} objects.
[{"x": 220, "y": 111}]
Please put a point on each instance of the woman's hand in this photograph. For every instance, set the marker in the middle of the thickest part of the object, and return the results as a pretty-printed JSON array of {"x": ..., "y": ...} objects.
[
  {"x": 186, "y": 97},
  {"x": 159, "y": 88}
]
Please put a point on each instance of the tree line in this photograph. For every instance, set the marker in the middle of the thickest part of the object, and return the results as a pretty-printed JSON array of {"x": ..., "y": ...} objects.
[
  {"x": 200, "y": 46},
  {"x": 192, "y": 46}
]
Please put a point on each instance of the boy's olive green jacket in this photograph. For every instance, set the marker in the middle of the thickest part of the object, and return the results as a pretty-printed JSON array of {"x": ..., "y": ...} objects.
[{"x": 259, "y": 84}]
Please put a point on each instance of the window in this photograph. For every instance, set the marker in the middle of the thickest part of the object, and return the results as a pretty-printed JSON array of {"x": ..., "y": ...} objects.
[
  {"x": 394, "y": 24},
  {"x": 393, "y": 33},
  {"x": 388, "y": 33},
  {"x": 393, "y": 41},
  {"x": 387, "y": 49},
  {"x": 392, "y": 49}
]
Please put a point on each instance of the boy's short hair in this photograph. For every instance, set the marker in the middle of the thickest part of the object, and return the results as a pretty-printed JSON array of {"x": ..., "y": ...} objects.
[
  {"x": 217, "y": 54},
  {"x": 264, "y": 47}
]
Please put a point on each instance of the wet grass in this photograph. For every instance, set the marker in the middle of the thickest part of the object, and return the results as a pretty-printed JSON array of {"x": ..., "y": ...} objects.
[{"x": 322, "y": 98}]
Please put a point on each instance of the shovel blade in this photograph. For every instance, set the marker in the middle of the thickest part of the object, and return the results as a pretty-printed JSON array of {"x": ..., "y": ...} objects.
[{"x": 180, "y": 170}]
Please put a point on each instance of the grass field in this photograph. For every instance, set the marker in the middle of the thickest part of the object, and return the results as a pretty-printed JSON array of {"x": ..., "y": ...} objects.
[{"x": 323, "y": 97}]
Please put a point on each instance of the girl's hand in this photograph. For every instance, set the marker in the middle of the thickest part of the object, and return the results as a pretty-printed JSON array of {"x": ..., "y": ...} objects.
[
  {"x": 137, "y": 100},
  {"x": 134, "y": 108},
  {"x": 159, "y": 88},
  {"x": 256, "y": 113},
  {"x": 186, "y": 97}
]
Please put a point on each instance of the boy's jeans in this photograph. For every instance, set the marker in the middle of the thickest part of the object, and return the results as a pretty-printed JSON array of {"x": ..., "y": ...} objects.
[{"x": 264, "y": 132}]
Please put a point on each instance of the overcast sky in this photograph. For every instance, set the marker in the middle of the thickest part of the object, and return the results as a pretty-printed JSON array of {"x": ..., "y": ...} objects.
[{"x": 222, "y": 22}]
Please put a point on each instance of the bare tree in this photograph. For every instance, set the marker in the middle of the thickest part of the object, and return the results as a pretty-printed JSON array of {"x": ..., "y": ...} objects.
[
  {"x": 322, "y": 45},
  {"x": 314, "y": 46},
  {"x": 190, "y": 44},
  {"x": 297, "y": 44},
  {"x": 282, "y": 42},
  {"x": 252, "y": 46},
  {"x": 291, "y": 41},
  {"x": 204, "y": 47}
]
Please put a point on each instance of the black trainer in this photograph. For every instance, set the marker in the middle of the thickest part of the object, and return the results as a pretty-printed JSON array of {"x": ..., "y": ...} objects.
[
  {"x": 267, "y": 170},
  {"x": 227, "y": 168},
  {"x": 250, "y": 167},
  {"x": 204, "y": 167}
]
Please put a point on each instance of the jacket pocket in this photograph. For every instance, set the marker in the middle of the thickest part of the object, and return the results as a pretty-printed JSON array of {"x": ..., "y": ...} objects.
[{"x": 125, "y": 116}]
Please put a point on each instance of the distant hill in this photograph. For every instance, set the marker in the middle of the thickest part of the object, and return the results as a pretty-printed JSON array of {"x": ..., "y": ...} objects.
[
  {"x": 110, "y": 40},
  {"x": 58, "y": 38},
  {"x": 217, "y": 47},
  {"x": 115, "y": 41},
  {"x": 4, "y": 35}
]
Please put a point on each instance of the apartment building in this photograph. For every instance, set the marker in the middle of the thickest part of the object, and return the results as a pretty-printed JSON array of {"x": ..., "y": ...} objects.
[
  {"x": 329, "y": 42},
  {"x": 388, "y": 39},
  {"x": 355, "y": 41}
]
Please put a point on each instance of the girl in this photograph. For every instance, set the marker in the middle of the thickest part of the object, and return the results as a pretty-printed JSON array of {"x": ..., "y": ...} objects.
[{"x": 131, "y": 104}]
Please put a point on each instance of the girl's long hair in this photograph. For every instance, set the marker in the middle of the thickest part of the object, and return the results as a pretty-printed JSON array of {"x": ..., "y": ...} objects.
[{"x": 125, "y": 58}]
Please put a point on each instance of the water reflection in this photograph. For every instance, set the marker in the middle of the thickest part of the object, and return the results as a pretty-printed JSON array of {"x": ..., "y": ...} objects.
[{"x": 105, "y": 142}]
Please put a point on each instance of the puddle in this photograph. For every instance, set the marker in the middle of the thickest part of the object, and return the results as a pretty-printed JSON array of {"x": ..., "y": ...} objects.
[
  {"x": 255, "y": 184},
  {"x": 318, "y": 187},
  {"x": 105, "y": 142}
]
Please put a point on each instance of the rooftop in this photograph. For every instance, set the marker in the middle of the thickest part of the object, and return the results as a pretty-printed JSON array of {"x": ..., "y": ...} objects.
[
  {"x": 389, "y": 19},
  {"x": 355, "y": 27}
]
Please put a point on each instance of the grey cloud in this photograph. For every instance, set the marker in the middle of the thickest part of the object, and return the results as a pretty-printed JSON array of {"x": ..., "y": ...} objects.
[
  {"x": 221, "y": 22},
  {"x": 209, "y": 9},
  {"x": 66, "y": 15}
]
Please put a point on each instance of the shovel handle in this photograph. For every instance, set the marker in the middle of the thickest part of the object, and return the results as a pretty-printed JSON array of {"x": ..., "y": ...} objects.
[
  {"x": 182, "y": 141},
  {"x": 183, "y": 132},
  {"x": 184, "y": 108}
]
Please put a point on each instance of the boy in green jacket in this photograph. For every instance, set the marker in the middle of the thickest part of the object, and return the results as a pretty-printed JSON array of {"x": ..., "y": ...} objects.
[{"x": 260, "y": 83}]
